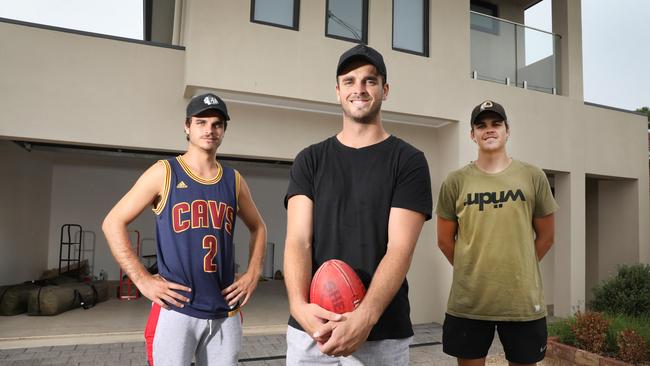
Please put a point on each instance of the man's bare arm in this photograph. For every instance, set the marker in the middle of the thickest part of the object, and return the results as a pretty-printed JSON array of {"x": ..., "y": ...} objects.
[
  {"x": 141, "y": 195},
  {"x": 298, "y": 265},
  {"x": 447, "y": 230},
  {"x": 544, "y": 234},
  {"x": 242, "y": 289}
]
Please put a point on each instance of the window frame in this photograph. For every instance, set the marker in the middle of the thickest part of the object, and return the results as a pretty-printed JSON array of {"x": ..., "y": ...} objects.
[
  {"x": 296, "y": 17},
  {"x": 147, "y": 14},
  {"x": 364, "y": 24},
  {"x": 494, "y": 8},
  {"x": 425, "y": 31}
]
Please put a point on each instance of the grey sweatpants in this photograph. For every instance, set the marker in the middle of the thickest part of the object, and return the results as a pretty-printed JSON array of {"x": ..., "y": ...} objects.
[
  {"x": 178, "y": 338},
  {"x": 302, "y": 350}
]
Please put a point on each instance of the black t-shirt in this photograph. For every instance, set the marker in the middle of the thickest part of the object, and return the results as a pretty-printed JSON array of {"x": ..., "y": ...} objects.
[{"x": 353, "y": 191}]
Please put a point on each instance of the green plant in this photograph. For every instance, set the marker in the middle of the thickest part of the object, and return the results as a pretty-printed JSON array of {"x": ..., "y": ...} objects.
[
  {"x": 632, "y": 347},
  {"x": 640, "y": 325},
  {"x": 563, "y": 329},
  {"x": 626, "y": 293},
  {"x": 590, "y": 329}
]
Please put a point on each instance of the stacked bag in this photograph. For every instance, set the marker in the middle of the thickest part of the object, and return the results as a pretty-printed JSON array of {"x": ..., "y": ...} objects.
[
  {"x": 51, "y": 296},
  {"x": 53, "y": 300},
  {"x": 13, "y": 299}
]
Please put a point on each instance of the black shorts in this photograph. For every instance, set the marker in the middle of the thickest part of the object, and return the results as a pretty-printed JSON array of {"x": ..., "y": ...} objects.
[{"x": 523, "y": 342}]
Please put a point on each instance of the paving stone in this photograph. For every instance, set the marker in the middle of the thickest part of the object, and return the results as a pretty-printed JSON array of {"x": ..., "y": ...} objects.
[
  {"x": 87, "y": 346},
  {"x": 71, "y": 353},
  {"x": 13, "y": 351},
  {"x": 24, "y": 363},
  {"x": 47, "y": 355},
  {"x": 56, "y": 361},
  {"x": 133, "y": 356},
  {"x": 111, "y": 345},
  {"x": 95, "y": 351},
  {"x": 82, "y": 358},
  {"x": 66, "y": 348},
  {"x": 20, "y": 356},
  {"x": 38, "y": 349},
  {"x": 253, "y": 347}
]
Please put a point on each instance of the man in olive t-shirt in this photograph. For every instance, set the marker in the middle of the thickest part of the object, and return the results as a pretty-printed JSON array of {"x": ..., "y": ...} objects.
[{"x": 495, "y": 222}]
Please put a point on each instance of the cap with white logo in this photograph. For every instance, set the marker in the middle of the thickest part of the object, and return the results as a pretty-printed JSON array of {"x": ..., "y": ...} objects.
[
  {"x": 204, "y": 102},
  {"x": 488, "y": 106}
]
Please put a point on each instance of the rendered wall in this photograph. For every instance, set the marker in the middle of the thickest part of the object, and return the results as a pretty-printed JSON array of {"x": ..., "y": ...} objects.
[
  {"x": 24, "y": 214},
  {"x": 67, "y": 87},
  {"x": 83, "y": 191},
  {"x": 268, "y": 185},
  {"x": 302, "y": 64},
  {"x": 612, "y": 228},
  {"x": 591, "y": 238},
  {"x": 617, "y": 228}
]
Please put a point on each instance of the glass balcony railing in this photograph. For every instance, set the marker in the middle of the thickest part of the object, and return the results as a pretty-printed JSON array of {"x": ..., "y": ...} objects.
[{"x": 513, "y": 54}]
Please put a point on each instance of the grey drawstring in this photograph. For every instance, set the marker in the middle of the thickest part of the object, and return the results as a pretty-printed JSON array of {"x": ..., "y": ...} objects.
[{"x": 210, "y": 326}]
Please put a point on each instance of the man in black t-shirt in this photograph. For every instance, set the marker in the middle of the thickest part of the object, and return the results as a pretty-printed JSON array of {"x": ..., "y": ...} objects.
[{"x": 361, "y": 196}]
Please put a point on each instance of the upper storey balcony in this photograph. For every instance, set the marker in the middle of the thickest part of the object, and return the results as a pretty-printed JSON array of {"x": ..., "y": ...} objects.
[{"x": 510, "y": 53}]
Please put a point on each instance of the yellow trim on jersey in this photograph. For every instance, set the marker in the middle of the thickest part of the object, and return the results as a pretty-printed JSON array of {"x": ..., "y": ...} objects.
[
  {"x": 196, "y": 177},
  {"x": 237, "y": 187},
  {"x": 233, "y": 312},
  {"x": 165, "y": 194}
]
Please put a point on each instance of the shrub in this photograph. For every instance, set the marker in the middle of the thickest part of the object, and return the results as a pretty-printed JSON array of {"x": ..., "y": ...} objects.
[
  {"x": 631, "y": 347},
  {"x": 618, "y": 323},
  {"x": 626, "y": 293},
  {"x": 564, "y": 330},
  {"x": 590, "y": 330},
  {"x": 614, "y": 345}
]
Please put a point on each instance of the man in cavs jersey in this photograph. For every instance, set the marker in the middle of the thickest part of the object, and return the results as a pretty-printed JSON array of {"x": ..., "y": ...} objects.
[{"x": 196, "y": 200}]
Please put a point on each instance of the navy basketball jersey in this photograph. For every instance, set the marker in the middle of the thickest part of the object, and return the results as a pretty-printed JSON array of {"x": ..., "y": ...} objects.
[{"x": 195, "y": 224}]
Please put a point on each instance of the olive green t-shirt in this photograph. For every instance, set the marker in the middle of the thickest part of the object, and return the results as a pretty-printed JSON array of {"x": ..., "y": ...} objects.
[{"x": 496, "y": 272}]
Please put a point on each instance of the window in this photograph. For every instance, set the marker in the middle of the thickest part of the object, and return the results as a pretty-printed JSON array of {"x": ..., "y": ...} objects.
[
  {"x": 484, "y": 24},
  {"x": 538, "y": 45},
  {"x": 411, "y": 26},
  {"x": 279, "y": 13},
  {"x": 347, "y": 20}
]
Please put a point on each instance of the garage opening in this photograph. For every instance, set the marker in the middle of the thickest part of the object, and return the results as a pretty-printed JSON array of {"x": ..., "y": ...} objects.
[{"x": 46, "y": 186}]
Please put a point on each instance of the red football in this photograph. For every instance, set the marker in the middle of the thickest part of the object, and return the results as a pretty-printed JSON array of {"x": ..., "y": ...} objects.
[{"x": 336, "y": 287}]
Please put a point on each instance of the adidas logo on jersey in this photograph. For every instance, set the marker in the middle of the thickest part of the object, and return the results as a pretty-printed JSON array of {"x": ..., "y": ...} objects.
[{"x": 181, "y": 185}]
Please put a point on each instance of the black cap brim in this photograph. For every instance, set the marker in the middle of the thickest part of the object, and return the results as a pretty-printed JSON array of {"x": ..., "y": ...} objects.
[{"x": 222, "y": 113}]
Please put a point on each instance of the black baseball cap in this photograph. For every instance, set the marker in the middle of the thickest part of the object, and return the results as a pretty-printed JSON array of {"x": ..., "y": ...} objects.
[
  {"x": 204, "y": 102},
  {"x": 362, "y": 52},
  {"x": 488, "y": 106}
]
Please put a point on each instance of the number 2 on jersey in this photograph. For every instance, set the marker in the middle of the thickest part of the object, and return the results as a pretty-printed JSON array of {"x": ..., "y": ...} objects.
[{"x": 210, "y": 243}]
